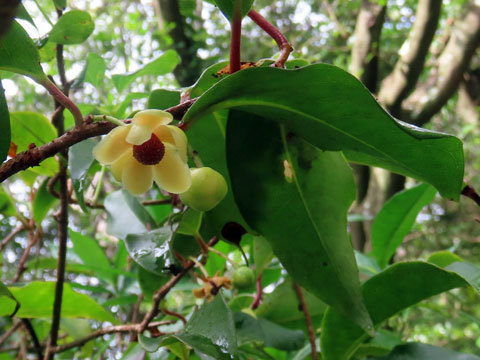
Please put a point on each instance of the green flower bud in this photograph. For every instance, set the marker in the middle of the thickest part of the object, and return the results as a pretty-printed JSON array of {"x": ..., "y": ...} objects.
[
  {"x": 243, "y": 277},
  {"x": 207, "y": 190}
]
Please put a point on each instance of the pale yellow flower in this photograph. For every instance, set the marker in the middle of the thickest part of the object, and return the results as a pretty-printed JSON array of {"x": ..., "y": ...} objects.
[{"x": 146, "y": 150}]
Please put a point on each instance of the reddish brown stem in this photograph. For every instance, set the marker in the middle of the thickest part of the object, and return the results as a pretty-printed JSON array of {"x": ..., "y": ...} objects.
[
  {"x": 469, "y": 191},
  {"x": 174, "y": 314},
  {"x": 308, "y": 319},
  {"x": 64, "y": 100},
  {"x": 235, "y": 40},
  {"x": 258, "y": 295}
]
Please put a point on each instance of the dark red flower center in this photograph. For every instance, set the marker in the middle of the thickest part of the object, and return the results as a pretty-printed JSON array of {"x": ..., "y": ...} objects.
[{"x": 150, "y": 152}]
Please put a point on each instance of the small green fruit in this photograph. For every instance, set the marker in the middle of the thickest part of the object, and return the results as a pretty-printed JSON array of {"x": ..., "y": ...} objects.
[
  {"x": 243, "y": 277},
  {"x": 207, "y": 190}
]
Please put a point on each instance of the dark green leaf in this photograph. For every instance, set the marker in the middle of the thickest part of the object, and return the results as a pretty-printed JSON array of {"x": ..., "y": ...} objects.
[
  {"x": 19, "y": 54},
  {"x": 92, "y": 255},
  {"x": 74, "y": 27},
  {"x": 207, "y": 79},
  {"x": 334, "y": 111},
  {"x": 42, "y": 202},
  {"x": 270, "y": 334},
  {"x": 416, "y": 351},
  {"x": 149, "y": 344},
  {"x": 60, "y": 4},
  {"x": 4, "y": 292},
  {"x": 33, "y": 128},
  {"x": 80, "y": 158},
  {"x": 151, "y": 250},
  {"x": 162, "y": 99},
  {"x": 160, "y": 66},
  {"x": 95, "y": 70},
  {"x": 262, "y": 254},
  {"x": 190, "y": 223},
  {"x": 23, "y": 14},
  {"x": 125, "y": 215},
  {"x": 297, "y": 196},
  {"x": 396, "y": 218},
  {"x": 37, "y": 302},
  {"x": 281, "y": 307},
  {"x": 396, "y": 288},
  {"x": 228, "y": 7},
  {"x": 7, "y": 204}
]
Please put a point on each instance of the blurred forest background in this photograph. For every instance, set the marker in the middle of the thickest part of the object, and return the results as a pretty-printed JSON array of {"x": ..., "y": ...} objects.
[{"x": 419, "y": 58}]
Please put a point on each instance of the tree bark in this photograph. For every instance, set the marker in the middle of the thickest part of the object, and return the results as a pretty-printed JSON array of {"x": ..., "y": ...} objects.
[{"x": 191, "y": 65}]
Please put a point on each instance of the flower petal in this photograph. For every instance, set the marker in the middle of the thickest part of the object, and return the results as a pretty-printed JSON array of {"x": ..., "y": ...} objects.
[
  {"x": 137, "y": 178},
  {"x": 118, "y": 166},
  {"x": 152, "y": 118},
  {"x": 164, "y": 134},
  {"x": 172, "y": 173},
  {"x": 138, "y": 134},
  {"x": 112, "y": 146},
  {"x": 180, "y": 140}
]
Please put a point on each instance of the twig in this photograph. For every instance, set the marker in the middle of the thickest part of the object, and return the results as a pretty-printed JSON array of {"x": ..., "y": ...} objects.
[
  {"x": 282, "y": 42},
  {"x": 10, "y": 236},
  {"x": 258, "y": 296},
  {"x": 470, "y": 192},
  {"x": 160, "y": 294},
  {"x": 308, "y": 319},
  {"x": 177, "y": 315},
  {"x": 32, "y": 240},
  {"x": 36, "y": 155},
  {"x": 10, "y": 331},
  {"x": 33, "y": 335},
  {"x": 101, "y": 332}
]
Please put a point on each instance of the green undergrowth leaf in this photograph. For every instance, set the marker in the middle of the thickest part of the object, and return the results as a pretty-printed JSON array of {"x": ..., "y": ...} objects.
[
  {"x": 228, "y": 6},
  {"x": 162, "y": 99},
  {"x": 43, "y": 202},
  {"x": 36, "y": 300},
  {"x": 5, "y": 292},
  {"x": 331, "y": 109},
  {"x": 4, "y": 125},
  {"x": 250, "y": 329},
  {"x": 160, "y": 66},
  {"x": 417, "y": 351},
  {"x": 74, "y": 27},
  {"x": 297, "y": 197},
  {"x": 396, "y": 288},
  {"x": 34, "y": 128},
  {"x": 19, "y": 54},
  {"x": 396, "y": 218},
  {"x": 94, "y": 71}
]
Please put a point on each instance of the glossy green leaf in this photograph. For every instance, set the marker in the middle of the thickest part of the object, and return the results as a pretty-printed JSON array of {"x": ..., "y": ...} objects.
[
  {"x": 190, "y": 223},
  {"x": 396, "y": 218},
  {"x": 74, "y": 27},
  {"x": 151, "y": 250},
  {"x": 334, "y": 111},
  {"x": 207, "y": 138},
  {"x": 42, "y": 202},
  {"x": 23, "y": 14},
  {"x": 125, "y": 215},
  {"x": 162, "y": 99},
  {"x": 33, "y": 128},
  {"x": 4, "y": 292},
  {"x": 228, "y": 7},
  {"x": 37, "y": 298},
  {"x": 80, "y": 158},
  {"x": 207, "y": 79},
  {"x": 417, "y": 351},
  {"x": 95, "y": 70},
  {"x": 297, "y": 197},
  {"x": 160, "y": 66},
  {"x": 443, "y": 258},
  {"x": 396, "y": 288},
  {"x": 19, "y": 54},
  {"x": 281, "y": 307},
  {"x": 91, "y": 255},
  {"x": 250, "y": 329},
  {"x": 4, "y": 125}
]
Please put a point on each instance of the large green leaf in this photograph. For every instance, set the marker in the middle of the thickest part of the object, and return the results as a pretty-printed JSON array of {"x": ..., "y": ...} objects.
[
  {"x": 151, "y": 250},
  {"x": 19, "y": 54},
  {"x": 281, "y": 307},
  {"x": 92, "y": 255},
  {"x": 80, "y": 158},
  {"x": 163, "y": 99},
  {"x": 4, "y": 125},
  {"x": 228, "y": 7},
  {"x": 34, "y": 128},
  {"x": 396, "y": 219},
  {"x": 334, "y": 111},
  {"x": 125, "y": 215},
  {"x": 36, "y": 301},
  {"x": 160, "y": 66},
  {"x": 416, "y": 351},
  {"x": 74, "y": 27},
  {"x": 297, "y": 196},
  {"x": 95, "y": 69},
  {"x": 396, "y": 288}
]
